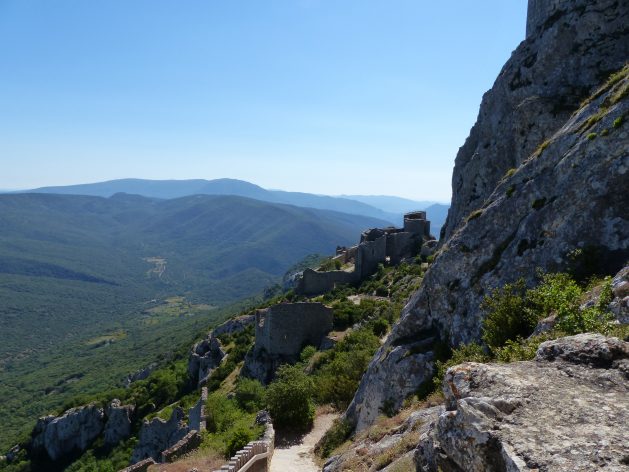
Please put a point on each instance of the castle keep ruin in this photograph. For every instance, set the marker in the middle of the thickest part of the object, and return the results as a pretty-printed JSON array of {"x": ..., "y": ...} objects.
[
  {"x": 282, "y": 331},
  {"x": 377, "y": 246}
]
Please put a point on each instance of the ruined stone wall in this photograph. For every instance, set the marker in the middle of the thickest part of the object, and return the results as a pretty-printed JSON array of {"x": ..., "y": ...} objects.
[
  {"x": 402, "y": 245},
  {"x": 283, "y": 330},
  {"x": 196, "y": 414},
  {"x": 369, "y": 255},
  {"x": 188, "y": 443},
  {"x": 314, "y": 283}
]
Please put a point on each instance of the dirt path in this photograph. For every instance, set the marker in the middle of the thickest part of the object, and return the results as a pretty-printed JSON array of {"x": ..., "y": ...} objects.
[{"x": 299, "y": 456}]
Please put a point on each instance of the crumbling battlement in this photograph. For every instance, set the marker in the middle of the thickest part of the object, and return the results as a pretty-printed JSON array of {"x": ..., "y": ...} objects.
[
  {"x": 282, "y": 331},
  {"x": 377, "y": 246}
]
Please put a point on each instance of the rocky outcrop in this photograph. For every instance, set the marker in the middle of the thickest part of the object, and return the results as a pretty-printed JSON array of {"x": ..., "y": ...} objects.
[
  {"x": 208, "y": 354},
  {"x": 118, "y": 425},
  {"x": 567, "y": 410},
  {"x": 413, "y": 364},
  {"x": 158, "y": 435},
  {"x": 620, "y": 290},
  {"x": 369, "y": 450},
  {"x": 561, "y": 209},
  {"x": 70, "y": 433},
  {"x": 140, "y": 374},
  {"x": 571, "y": 46}
]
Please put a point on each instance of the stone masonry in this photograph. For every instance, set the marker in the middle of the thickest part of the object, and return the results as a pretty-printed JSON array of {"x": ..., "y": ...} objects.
[{"x": 282, "y": 331}]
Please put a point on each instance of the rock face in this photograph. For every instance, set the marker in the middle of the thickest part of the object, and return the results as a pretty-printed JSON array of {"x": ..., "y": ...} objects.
[
  {"x": 158, "y": 435},
  {"x": 560, "y": 207},
  {"x": 208, "y": 354},
  {"x": 571, "y": 46},
  {"x": 620, "y": 289},
  {"x": 567, "y": 410},
  {"x": 70, "y": 433},
  {"x": 118, "y": 425}
]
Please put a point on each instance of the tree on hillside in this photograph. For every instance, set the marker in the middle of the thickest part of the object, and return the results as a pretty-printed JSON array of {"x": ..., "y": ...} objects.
[{"x": 289, "y": 398}]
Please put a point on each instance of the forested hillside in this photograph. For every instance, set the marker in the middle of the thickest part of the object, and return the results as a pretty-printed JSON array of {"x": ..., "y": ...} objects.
[{"x": 91, "y": 286}]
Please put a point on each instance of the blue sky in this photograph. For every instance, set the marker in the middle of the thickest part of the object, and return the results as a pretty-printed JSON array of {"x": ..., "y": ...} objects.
[{"x": 322, "y": 96}]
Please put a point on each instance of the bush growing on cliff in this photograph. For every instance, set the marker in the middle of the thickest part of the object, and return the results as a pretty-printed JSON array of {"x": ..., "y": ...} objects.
[
  {"x": 289, "y": 398},
  {"x": 339, "y": 370},
  {"x": 508, "y": 315}
]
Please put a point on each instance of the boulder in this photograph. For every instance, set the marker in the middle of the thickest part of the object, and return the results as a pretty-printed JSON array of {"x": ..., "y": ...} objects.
[
  {"x": 72, "y": 432},
  {"x": 567, "y": 410},
  {"x": 118, "y": 426}
]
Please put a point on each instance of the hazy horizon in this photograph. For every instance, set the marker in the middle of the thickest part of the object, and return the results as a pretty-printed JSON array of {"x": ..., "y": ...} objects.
[{"x": 309, "y": 95}]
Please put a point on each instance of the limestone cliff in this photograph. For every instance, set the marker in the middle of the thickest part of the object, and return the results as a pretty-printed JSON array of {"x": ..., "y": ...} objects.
[
  {"x": 570, "y": 47},
  {"x": 548, "y": 205}
]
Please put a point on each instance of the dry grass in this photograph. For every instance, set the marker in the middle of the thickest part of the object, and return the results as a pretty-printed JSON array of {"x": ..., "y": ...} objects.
[{"x": 203, "y": 460}]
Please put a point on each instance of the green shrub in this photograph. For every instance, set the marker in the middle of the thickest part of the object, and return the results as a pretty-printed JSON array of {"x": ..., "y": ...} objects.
[
  {"x": 471, "y": 352},
  {"x": 520, "y": 349},
  {"x": 592, "y": 136},
  {"x": 507, "y": 315},
  {"x": 289, "y": 398},
  {"x": 237, "y": 439},
  {"x": 617, "y": 122},
  {"x": 221, "y": 412},
  {"x": 250, "y": 395},
  {"x": 339, "y": 370},
  {"x": 307, "y": 353},
  {"x": 380, "y": 327}
]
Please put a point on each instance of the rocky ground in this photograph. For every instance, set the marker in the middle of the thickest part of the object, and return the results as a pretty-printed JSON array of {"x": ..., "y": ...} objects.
[{"x": 567, "y": 410}]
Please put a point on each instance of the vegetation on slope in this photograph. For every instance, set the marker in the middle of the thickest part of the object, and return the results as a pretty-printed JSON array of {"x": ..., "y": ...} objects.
[
  {"x": 329, "y": 377},
  {"x": 92, "y": 289}
]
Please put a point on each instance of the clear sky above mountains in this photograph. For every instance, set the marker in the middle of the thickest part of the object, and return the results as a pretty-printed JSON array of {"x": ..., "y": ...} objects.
[{"x": 321, "y": 96}]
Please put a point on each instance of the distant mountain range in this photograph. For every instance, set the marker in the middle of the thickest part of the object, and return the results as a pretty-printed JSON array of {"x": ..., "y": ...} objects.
[{"x": 388, "y": 208}]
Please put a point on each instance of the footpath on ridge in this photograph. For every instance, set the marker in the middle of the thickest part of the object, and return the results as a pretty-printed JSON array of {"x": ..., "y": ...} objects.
[{"x": 300, "y": 454}]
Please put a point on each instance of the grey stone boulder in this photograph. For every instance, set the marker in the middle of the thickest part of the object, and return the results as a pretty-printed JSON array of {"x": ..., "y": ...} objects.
[
  {"x": 158, "y": 435},
  {"x": 118, "y": 426},
  {"x": 72, "y": 432},
  {"x": 566, "y": 411}
]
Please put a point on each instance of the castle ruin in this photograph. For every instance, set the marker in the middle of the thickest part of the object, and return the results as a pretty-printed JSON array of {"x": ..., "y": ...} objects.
[
  {"x": 282, "y": 331},
  {"x": 377, "y": 246}
]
